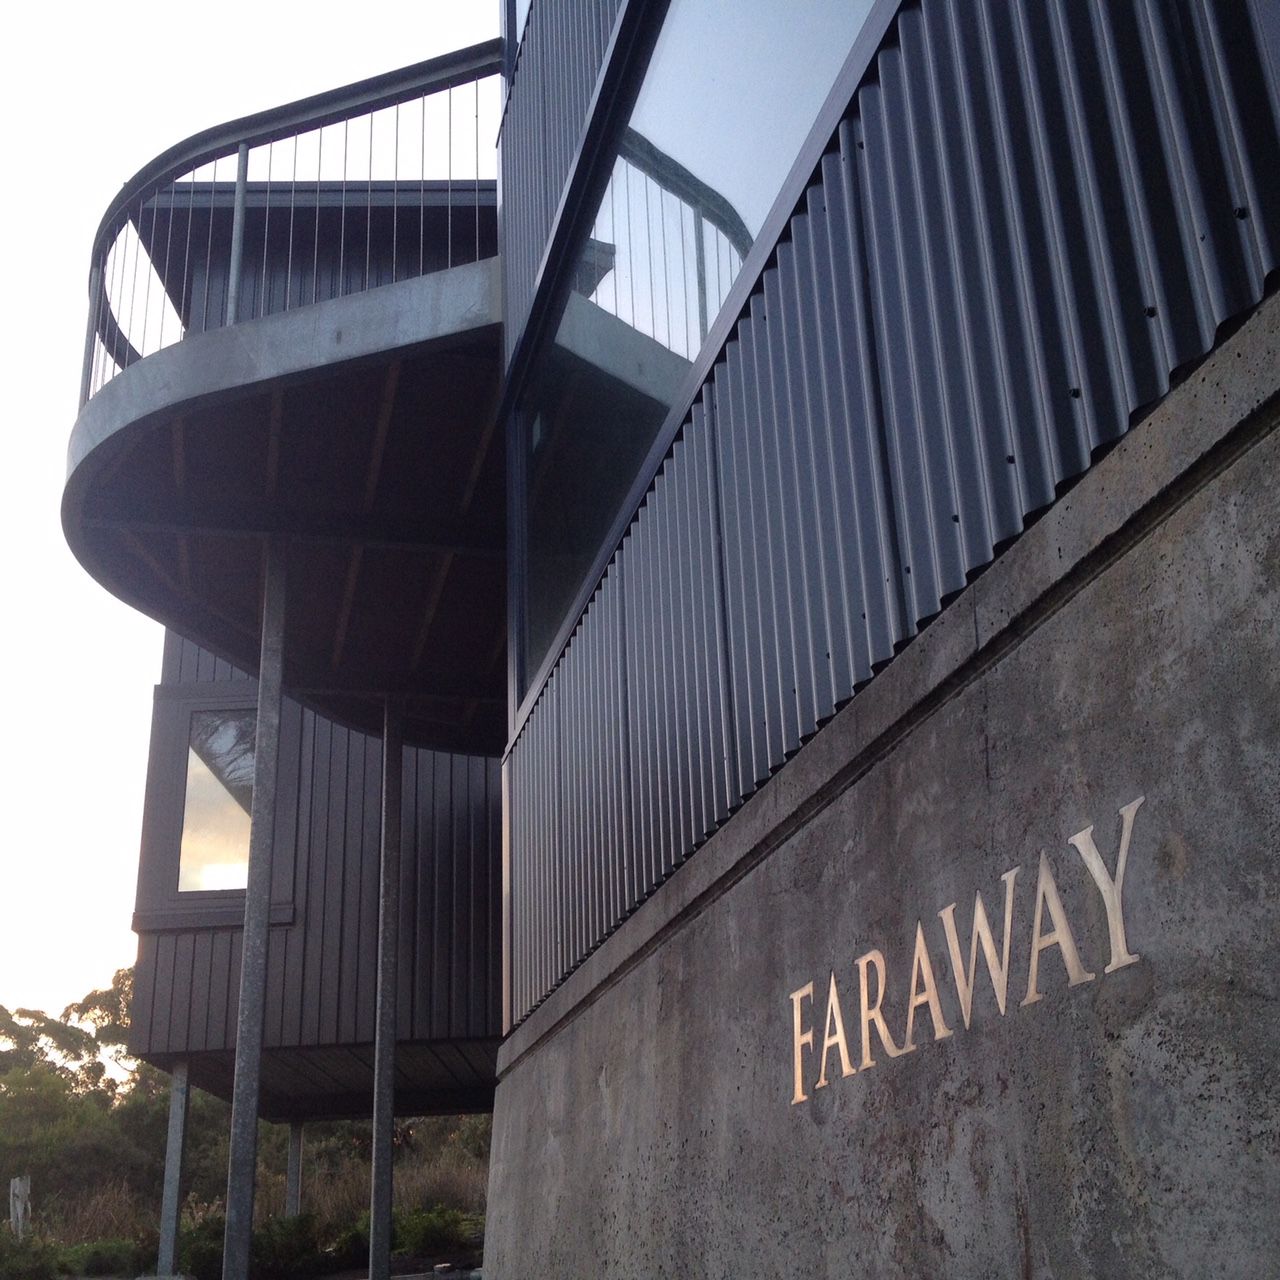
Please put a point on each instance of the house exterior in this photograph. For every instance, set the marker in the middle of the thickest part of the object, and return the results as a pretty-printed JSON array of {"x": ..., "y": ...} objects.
[
  {"x": 320, "y": 1009},
  {"x": 820, "y": 496}
]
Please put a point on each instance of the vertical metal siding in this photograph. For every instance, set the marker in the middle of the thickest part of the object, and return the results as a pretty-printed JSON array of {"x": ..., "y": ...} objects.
[
  {"x": 1033, "y": 214},
  {"x": 321, "y": 982},
  {"x": 557, "y": 65},
  {"x": 187, "y": 663}
]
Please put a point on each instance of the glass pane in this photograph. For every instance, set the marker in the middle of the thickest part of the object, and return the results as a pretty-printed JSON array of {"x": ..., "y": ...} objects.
[
  {"x": 219, "y": 797},
  {"x": 728, "y": 99},
  {"x": 522, "y": 13}
]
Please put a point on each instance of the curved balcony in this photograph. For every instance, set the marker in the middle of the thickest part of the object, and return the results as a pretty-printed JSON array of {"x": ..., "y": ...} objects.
[{"x": 293, "y": 338}]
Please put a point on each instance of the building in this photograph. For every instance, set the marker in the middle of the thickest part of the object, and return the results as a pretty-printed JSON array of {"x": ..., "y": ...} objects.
[{"x": 867, "y": 411}]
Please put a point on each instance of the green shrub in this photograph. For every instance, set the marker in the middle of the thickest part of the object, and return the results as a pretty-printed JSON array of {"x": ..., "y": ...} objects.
[
  {"x": 28, "y": 1259},
  {"x": 425, "y": 1231},
  {"x": 350, "y": 1247},
  {"x": 200, "y": 1249},
  {"x": 281, "y": 1249},
  {"x": 107, "y": 1258},
  {"x": 286, "y": 1249}
]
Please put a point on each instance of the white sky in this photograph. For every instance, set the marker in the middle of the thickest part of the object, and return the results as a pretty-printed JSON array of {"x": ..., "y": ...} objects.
[{"x": 89, "y": 94}]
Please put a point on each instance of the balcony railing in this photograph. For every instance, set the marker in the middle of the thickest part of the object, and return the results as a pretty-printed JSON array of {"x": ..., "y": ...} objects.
[
  {"x": 380, "y": 181},
  {"x": 664, "y": 248}
]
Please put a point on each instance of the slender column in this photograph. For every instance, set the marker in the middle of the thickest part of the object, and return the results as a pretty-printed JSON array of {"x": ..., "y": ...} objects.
[
  {"x": 700, "y": 259},
  {"x": 293, "y": 1178},
  {"x": 384, "y": 1052},
  {"x": 242, "y": 1164},
  {"x": 95, "y": 296},
  {"x": 175, "y": 1148},
  {"x": 237, "y": 236}
]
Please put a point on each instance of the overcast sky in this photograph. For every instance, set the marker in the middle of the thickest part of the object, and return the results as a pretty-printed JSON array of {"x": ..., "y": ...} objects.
[{"x": 89, "y": 94}]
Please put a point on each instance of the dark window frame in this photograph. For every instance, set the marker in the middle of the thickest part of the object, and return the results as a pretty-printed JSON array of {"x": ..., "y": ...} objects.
[{"x": 160, "y": 905}]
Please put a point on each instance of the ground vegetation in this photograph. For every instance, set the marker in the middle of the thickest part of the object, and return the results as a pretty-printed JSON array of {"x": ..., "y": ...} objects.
[{"x": 87, "y": 1124}]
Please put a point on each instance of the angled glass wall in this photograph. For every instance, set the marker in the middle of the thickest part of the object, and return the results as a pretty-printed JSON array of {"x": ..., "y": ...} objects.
[{"x": 728, "y": 98}]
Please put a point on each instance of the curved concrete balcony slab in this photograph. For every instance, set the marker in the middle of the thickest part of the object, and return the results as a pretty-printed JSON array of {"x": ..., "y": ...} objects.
[{"x": 361, "y": 431}]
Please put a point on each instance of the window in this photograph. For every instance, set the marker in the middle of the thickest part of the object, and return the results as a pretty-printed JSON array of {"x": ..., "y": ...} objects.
[
  {"x": 195, "y": 826},
  {"x": 729, "y": 96},
  {"x": 520, "y": 12},
  {"x": 214, "y": 849}
]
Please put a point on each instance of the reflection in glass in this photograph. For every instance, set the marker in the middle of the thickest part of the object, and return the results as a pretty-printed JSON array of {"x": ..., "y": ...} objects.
[
  {"x": 219, "y": 797},
  {"x": 728, "y": 99},
  {"x": 664, "y": 248},
  {"x": 521, "y": 16}
]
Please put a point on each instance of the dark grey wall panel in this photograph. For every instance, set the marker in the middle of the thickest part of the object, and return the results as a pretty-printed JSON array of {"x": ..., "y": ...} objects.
[
  {"x": 557, "y": 64},
  {"x": 1033, "y": 215},
  {"x": 322, "y": 957},
  {"x": 187, "y": 663},
  {"x": 677, "y": 709}
]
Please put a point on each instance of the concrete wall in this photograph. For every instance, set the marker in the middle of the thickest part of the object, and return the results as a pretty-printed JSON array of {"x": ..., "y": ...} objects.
[{"x": 1124, "y": 1125}]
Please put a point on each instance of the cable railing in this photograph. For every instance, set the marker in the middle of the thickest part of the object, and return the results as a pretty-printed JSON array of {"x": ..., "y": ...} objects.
[
  {"x": 377, "y": 182},
  {"x": 663, "y": 250}
]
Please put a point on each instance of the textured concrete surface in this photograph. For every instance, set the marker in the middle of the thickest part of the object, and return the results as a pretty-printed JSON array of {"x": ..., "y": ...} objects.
[{"x": 1127, "y": 1125}]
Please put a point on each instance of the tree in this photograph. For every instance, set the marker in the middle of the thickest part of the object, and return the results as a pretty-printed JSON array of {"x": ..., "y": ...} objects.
[
  {"x": 106, "y": 1011},
  {"x": 60, "y": 1113},
  {"x": 30, "y": 1038}
]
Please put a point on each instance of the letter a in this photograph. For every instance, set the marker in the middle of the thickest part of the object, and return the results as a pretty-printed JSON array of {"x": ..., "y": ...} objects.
[
  {"x": 833, "y": 1036},
  {"x": 1111, "y": 889},
  {"x": 997, "y": 969},
  {"x": 1060, "y": 937},
  {"x": 922, "y": 972}
]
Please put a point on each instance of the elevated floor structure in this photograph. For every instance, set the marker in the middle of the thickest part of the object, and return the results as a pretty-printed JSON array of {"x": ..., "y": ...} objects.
[{"x": 305, "y": 478}]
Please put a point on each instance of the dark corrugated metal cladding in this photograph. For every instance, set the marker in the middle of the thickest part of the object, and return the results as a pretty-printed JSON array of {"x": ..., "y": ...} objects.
[{"x": 1034, "y": 214}]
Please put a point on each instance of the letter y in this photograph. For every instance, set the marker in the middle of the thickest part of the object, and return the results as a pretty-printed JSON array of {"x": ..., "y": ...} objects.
[{"x": 1110, "y": 888}]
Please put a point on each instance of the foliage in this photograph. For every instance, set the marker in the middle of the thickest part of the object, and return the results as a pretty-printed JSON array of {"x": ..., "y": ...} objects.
[
  {"x": 92, "y": 1137},
  {"x": 28, "y": 1259},
  {"x": 29, "y": 1039},
  {"x": 105, "y": 1012},
  {"x": 63, "y": 1136},
  {"x": 423, "y": 1231},
  {"x": 287, "y": 1247},
  {"x": 108, "y": 1258},
  {"x": 200, "y": 1249},
  {"x": 297, "y": 1248}
]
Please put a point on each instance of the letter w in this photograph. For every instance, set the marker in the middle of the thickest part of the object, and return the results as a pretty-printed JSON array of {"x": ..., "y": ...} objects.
[{"x": 998, "y": 968}]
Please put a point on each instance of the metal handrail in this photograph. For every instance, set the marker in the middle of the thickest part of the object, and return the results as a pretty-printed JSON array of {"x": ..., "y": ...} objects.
[
  {"x": 673, "y": 301},
  {"x": 672, "y": 176},
  {"x": 112, "y": 341},
  {"x": 331, "y": 107}
]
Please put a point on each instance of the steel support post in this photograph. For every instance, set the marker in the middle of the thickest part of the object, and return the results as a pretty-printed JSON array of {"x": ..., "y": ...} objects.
[
  {"x": 293, "y": 1177},
  {"x": 237, "y": 235},
  {"x": 174, "y": 1151},
  {"x": 384, "y": 1051},
  {"x": 700, "y": 259},
  {"x": 95, "y": 298},
  {"x": 242, "y": 1164}
]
